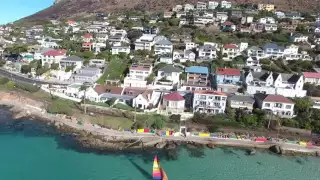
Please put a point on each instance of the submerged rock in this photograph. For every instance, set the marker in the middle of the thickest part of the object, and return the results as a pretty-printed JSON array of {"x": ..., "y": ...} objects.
[
  {"x": 210, "y": 145},
  {"x": 251, "y": 152},
  {"x": 276, "y": 149}
]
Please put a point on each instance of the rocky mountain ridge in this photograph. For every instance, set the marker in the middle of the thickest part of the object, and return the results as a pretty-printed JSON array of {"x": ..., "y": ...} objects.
[{"x": 71, "y": 8}]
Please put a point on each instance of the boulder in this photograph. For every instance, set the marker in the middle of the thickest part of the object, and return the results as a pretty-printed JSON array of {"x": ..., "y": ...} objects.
[
  {"x": 276, "y": 149},
  {"x": 210, "y": 145}
]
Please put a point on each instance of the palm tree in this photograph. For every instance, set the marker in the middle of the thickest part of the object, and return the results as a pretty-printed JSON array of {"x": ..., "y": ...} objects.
[{"x": 84, "y": 87}]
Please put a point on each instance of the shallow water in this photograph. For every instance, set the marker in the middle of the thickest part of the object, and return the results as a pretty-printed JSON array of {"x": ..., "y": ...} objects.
[{"x": 32, "y": 151}]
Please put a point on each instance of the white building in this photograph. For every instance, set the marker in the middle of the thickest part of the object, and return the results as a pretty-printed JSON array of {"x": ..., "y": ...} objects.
[
  {"x": 169, "y": 73},
  {"x": 288, "y": 85},
  {"x": 145, "y": 42},
  {"x": 201, "y": 5},
  {"x": 267, "y": 20},
  {"x": 207, "y": 52},
  {"x": 276, "y": 105},
  {"x": 207, "y": 101},
  {"x": 188, "y": 7},
  {"x": 213, "y": 4},
  {"x": 52, "y": 56},
  {"x": 299, "y": 38},
  {"x": 163, "y": 47},
  {"x": 71, "y": 61},
  {"x": 120, "y": 49},
  {"x": 137, "y": 75},
  {"x": 225, "y": 4},
  {"x": 173, "y": 103},
  {"x": 230, "y": 51}
]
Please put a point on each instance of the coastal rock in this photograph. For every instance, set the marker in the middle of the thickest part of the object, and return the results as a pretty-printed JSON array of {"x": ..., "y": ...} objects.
[
  {"x": 210, "y": 145},
  {"x": 161, "y": 145},
  {"x": 276, "y": 149},
  {"x": 318, "y": 153},
  {"x": 170, "y": 145}
]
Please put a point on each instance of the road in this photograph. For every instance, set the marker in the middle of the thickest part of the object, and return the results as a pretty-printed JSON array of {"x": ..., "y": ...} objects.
[{"x": 22, "y": 79}]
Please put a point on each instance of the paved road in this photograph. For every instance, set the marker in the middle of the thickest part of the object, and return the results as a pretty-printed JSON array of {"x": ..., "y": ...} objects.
[{"x": 19, "y": 78}]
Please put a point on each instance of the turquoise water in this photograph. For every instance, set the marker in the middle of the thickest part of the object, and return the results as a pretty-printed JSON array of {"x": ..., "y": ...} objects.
[{"x": 29, "y": 151}]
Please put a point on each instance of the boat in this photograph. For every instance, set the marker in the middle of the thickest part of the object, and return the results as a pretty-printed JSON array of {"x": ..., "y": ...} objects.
[
  {"x": 164, "y": 175},
  {"x": 156, "y": 173}
]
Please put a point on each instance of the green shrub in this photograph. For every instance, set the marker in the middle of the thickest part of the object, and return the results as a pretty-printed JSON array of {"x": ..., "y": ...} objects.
[
  {"x": 10, "y": 84},
  {"x": 27, "y": 87},
  {"x": 4, "y": 80}
]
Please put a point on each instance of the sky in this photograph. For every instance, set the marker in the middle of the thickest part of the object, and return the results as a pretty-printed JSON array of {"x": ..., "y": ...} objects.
[{"x": 12, "y": 10}]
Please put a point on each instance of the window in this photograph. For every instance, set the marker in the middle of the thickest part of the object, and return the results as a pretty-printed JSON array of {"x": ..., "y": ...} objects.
[
  {"x": 288, "y": 106},
  {"x": 278, "y": 105},
  {"x": 223, "y": 98},
  {"x": 267, "y": 104},
  {"x": 217, "y": 98}
]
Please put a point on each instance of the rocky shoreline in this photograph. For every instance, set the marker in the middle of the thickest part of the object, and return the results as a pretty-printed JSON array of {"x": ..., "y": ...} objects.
[{"x": 98, "y": 140}]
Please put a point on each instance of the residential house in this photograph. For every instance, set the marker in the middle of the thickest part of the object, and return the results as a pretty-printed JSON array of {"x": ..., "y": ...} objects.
[
  {"x": 289, "y": 85},
  {"x": 117, "y": 32},
  {"x": 173, "y": 103},
  {"x": 145, "y": 42},
  {"x": 267, "y": 20},
  {"x": 241, "y": 102},
  {"x": 266, "y": 7},
  {"x": 293, "y": 15},
  {"x": 201, "y": 21},
  {"x": 252, "y": 61},
  {"x": 118, "y": 38},
  {"x": 227, "y": 79},
  {"x": 99, "y": 63},
  {"x": 147, "y": 100},
  {"x": 137, "y": 75},
  {"x": 197, "y": 78},
  {"x": 52, "y": 56},
  {"x": 191, "y": 45},
  {"x": 222, "y": 16},
  {"x": 129, "y": 95},
  {"x": 270, "y": 27},
  {"x": 273, "y": 50},
  {"x": 188, "y": 7},
  {"x": 168, "y": 78},
  {"x": 275, "y": 105},
  {"x": 87, "y": 38},
  {"x": 236, "y": 14},
  {"x": 230, "y": 51},
  {"x": 208, "y": 101},
  {"x": 177, "y": 8},
  {"x": 225, "y": 4},
  {"x": 167, "y": 14},
  {"x": 312, "y": 77},
  {"x": 280, "y": 15},
  {"x": 228, "y": 26},
  {"x": 188, "y": 55},
  {"x": 254, "y": 51},
  {"x": 257, "y": 27},
  {"x": 163, "y": 47},
  {"x": 120, "y": 49},
  {"x": 299, "y": 38},
  {"x": 207, "y": 52},
  {"x": 102, "y": 37},
  {"x": 87, "y": 46},
  {"x": 213, "y": 5},
  {"x": 71, "y": 61},
  {"x": 201, "y": 6},
  {"x": 87, "y": 74},
  {"x": 106, "y": 92}
]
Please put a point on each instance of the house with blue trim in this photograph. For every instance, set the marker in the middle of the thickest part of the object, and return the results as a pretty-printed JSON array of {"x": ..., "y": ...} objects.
[{"x": 197, "y": 78}]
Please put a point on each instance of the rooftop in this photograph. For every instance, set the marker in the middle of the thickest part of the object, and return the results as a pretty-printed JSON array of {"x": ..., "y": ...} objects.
[
  {"x": 197, "y": 69},
  {"x": 141, "y": 67},
  {"x": 228, "y": 71},
  {"x": 170, "y": 69},
  {"x": 72, "y": 58},
  {"x": 54, "y": 53},
  {"x": 311, "y": 75},
  {"x": 230, "y": 46},
  {"x": 210, "y": 92},
  {"x": 173, "y": 97},
  {"x": 242, "y": 98},
  {"x": 277, "y": 98},
  {"x": 101, "y": 89}
]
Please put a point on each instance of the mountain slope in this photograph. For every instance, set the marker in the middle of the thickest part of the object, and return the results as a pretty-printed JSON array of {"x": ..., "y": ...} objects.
[{"x": 71, "y": 8}]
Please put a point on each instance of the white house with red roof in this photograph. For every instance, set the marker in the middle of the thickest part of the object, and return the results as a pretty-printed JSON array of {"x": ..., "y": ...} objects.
[
  {"x": 230, "y": 51},
  {"x": 312, "y": 77},
  {"x": 209, "y": 101},
  {"x": 72, "y": 23},
  {"x": 53, "y": 56},
  {"x": 173, "y": 103},
  {"x": 275, "y": 104},
  {"x": 87, "y": 37}
]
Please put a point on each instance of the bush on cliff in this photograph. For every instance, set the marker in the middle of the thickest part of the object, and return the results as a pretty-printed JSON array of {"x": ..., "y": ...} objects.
[
  {"x": 59, "y": 107},
  {"x": 27, "y": 87}
]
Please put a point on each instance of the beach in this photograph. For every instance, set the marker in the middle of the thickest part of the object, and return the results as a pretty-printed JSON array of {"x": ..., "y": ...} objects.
[{"x": 94, "y": 136}]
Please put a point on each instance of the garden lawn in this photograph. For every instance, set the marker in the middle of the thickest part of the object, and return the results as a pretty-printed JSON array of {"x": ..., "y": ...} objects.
[{"x": 115, "y": 70}]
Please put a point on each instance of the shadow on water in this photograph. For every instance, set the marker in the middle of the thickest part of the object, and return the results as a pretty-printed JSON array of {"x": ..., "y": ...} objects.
[{"x": 145, "y": 173}]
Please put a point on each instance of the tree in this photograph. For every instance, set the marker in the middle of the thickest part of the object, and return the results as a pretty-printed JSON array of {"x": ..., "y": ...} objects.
[
  {"x": 2, "y": 62},
  {"x": 183, "y": 76},
  {"x": 10, "y": 85},
  {"x": 302, "y": 104},
  {"x": 25, "y": 69},
  {"x": 54, "y": 66},
  {"x": 231, "y": 114},
  {"x": 134, "y": 34},
  {"x": 150, "y": 78},
  {"x": 158, "y": 122}
]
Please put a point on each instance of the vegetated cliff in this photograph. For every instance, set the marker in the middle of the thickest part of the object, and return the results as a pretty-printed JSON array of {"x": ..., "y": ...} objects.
[{"x": 71, "y": 8}]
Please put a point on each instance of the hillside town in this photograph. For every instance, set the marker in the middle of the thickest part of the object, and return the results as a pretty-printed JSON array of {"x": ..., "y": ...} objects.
[{"x": 208, "y": 58}]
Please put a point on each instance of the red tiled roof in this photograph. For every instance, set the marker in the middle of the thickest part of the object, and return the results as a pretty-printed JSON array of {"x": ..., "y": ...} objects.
[
  {"x": 228, "y": 71},
  {"x": 230, "y": 46},
  {"x": 87, "y": 36},
  {"x": 311, "y": 75},
  {"x": 210, "y": 92},
  {"x": 71, "y": 22},
  {"x": 54, "y": 53},
  {"x": 173, "y": 97},
  {"x": 228, "y": 23},
  {"x": 100, "y": 89},
  {"x": 277, "y": 98},
  {"x": 132, "y": 91},
  {"x": 140, "y": 67}
]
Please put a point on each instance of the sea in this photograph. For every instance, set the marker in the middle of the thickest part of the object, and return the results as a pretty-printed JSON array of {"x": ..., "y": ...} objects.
[{"x": 32, "y": 150}]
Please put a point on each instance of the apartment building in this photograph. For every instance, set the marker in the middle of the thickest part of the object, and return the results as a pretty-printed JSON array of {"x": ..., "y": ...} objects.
[
  {"x": 241, "y": 102},
  {"x": 197, "y": 78},
  {"x": 208, "y": 101},
  {"x": 145, "y": 42},
  {"x": 137, "y": 75},
  {"x": 163, "y": 47}
]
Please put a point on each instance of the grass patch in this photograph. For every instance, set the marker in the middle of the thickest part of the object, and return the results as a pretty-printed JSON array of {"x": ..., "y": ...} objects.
[
  {"x": 115, "y": 70},
  {"x": 111, "y": 122}
]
